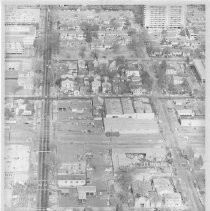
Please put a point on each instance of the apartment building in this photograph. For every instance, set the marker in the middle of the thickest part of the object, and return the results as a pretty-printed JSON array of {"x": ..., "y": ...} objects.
[{"x": 161, "y": 17}]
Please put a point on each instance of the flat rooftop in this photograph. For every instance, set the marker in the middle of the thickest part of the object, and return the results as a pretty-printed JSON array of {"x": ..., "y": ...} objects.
[
  {"x": 113, "y": 106},
  {"x": 131, "y": 126},
  {"x": 17, "y": 158}
]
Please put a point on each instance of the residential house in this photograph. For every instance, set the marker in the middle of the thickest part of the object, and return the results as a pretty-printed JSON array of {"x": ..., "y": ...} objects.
[
  {"x": 84, "y": 90},
  {"x": 76, "y": 91},
  {"x": 177, "y": 52},
  {"x": 142, "y": 202},
  {"x": 137, "y": 90},
  {"x": 177, "y": 80},
  {"x": 71, "y": 181},
  {"x": 71, "y": 35},
  {"x": 103, "y": 61},
  {"x": 106, "y": 87},
  {"x": 26, "y": 82},
  {"x": 192, "y": 34},
  {"x": 82, "y": 65},
  {"x": 97, "y": 45},
  {"x": 112, "y": 66},
  {"x": 171, "y": 70},
  {"x": 133, "y": 72},
  {"x": 107, "y": 43},
  {"x": 73, "y": 68},
  {"x": 67, "y": 85},
  {"x": 96, "y": 84},
  {"x": 101, "y": 34},
  {"x": 95, "y": 63},
  {"x": 87, "y": 80}
]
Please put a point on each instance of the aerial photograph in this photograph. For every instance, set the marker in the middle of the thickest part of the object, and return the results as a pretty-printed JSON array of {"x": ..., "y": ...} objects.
[{"x": 104, "y": 107}]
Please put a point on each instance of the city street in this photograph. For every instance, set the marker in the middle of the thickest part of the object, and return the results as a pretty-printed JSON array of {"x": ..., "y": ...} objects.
[{"x": 185, "y": 175}]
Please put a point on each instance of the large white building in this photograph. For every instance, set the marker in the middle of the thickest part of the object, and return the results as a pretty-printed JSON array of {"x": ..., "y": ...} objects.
[
  {"x": 17, "y": 159},
  {"x": 159, "y": 17}
]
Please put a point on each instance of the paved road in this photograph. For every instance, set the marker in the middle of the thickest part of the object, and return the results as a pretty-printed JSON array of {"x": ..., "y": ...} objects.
[{"x": 185, "y": 175}]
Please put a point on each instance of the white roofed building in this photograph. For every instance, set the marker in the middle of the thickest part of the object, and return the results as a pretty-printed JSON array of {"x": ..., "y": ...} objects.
[{"x": 17, "y": 164}]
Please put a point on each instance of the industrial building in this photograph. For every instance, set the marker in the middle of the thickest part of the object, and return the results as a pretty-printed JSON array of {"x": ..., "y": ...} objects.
[
  {"x": 136, "y": 108},
  {"x": 162, "y": 17},
  {"x": 16, "y": 163},
  {"x": 131, "y": 126}
]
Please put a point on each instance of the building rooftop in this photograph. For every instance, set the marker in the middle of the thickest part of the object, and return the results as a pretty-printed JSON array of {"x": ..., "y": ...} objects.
[
  {"x": 113, "y": 106},
  {"x": 15, "y": 15},
  {"x": 17, "y": 158},
  {"x": 71, "y": 177},
  {"x": 127, "y": 106},
  {"x": 131, "y": 126},
  {"x": 86, "y": 188}
]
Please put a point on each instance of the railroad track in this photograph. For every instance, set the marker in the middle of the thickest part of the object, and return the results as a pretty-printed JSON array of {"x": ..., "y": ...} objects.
[{"x": 43, "y": 183}]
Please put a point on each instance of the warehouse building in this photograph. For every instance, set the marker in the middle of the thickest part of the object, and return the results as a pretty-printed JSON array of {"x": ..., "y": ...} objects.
[
  {"x": 113, "y": 108},
  {"x": 137, "y": 108},
  {"x": 17, "y": 163},
  {"x": 131, "y": 126}
]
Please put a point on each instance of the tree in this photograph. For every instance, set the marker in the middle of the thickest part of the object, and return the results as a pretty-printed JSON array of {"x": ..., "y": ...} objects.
[
  {"x": 171, "y": 87},
  {"x": 89, "y": 30},
  {"x": 82, "y": 54},
  {"x": 137, "y": 45},
  {"x": 182, "y": 32},
  {"x": 149, "y": 49},
  {"x": 58, "y": 82},
  {"x": 37, "y": 80},
  {"x": 166, "y": 51},
  {"x": 185, "y": 83},
  {"x": 187, "y": 60},
  {"x": 119, "y": 207},
  {"x": 127, "y": 23},
  {"x": 53, "y": 43},
  {"x": 115, "y": 47},
  {"x": 15, "y": 89},
  {"x": 198, "y": 162},
  {"x": 113, "y": 23},
  {"x": 163, "y": 66},
  {"x": 146, "y": 80},
  {"x": 138, "y": 11},
  {"x": 30, "y": 107},
  {"x": 132, "y": 32},
  {"x": 94, "y": 54},
  {"x": 8, "y": 114}
]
